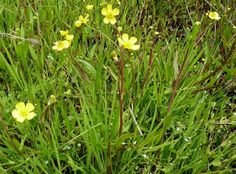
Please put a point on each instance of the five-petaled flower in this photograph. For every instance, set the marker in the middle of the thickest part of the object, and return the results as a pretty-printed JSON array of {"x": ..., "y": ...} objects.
[
  {"x": 60, "y": 45},
  {"x": 213, "y": 15},
  {"x": 82, "y": 20},
  {"x": 22, "y": 112},
  {"x": 110, "y": 14},
  {"x": 128, "y": 43}
]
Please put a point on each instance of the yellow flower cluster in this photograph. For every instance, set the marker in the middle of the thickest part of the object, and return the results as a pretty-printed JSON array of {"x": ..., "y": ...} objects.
[
  {"x": 63, "y": 44},
  {"x": 109, "y": 14},
  {"x": 110, "y": 17}
]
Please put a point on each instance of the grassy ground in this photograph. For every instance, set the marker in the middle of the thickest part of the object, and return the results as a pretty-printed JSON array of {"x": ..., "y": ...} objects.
[{"x": 179, "y": 105}]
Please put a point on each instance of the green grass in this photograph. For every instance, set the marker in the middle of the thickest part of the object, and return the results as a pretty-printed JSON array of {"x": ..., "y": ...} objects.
[{"x": 179, "y": 111}]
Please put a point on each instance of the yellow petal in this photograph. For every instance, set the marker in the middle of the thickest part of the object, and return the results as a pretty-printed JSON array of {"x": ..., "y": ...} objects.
[
  {"x": 121, "y": 42},
  {"x": 66, "y": 43},
  {"x": 135, "y": 47},
  {"x": 54, "y": 47},
  {"x": 20, "y": 105},
  {"x": 133, "y": 40},
  {"x": 69, "y": 37},
  {"x": 116, "y": 11},
  {"x": 104, "y": 11},
  {"x": 78, "y": 23},
  {"x": 106, "y": 20},
  {"x": 109, "y": 7},
  {"x": 81, "y": 17},
  {"x": 125, "y": 37},
  {"x": 29, "y": 107},
  {"x": 113, "y": 20},
  {"x": 30, "y": 115},
  {"x": 20, "y": 119},
  {"x": 86, "y": 19},
  {"x": 15, "y": 113},
  {"x": 58, "y": 46}
]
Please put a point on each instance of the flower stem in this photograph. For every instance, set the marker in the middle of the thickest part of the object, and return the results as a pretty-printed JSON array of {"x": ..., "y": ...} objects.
[{"x": 121, "y": 87}]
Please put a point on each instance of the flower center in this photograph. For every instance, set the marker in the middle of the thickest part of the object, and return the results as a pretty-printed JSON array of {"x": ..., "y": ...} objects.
[
  {"x": 24, "y": 112},
  {"x": 127, "y": 45},
  {"x": 110, "y": 15},
  {"x": 60, "y": 45}
]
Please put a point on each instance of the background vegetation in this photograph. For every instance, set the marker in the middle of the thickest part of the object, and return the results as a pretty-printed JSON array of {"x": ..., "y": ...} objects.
[{"x": 179, "y": 101}]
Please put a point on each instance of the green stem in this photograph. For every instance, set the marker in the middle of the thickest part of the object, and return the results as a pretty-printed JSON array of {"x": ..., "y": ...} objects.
[
  {"x": 103, "y": 34},
  {"x": 121, "y": 87}
]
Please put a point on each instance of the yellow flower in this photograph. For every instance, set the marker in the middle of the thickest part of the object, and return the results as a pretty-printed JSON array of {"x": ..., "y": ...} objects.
[
  {"x": 68, "y": 92},
  {"x": 213, "y": 15},
  {"x": 128, "y": 43},
  {"x": 60, "y": 45},
  {"x": 89, "y": 7},
  {"x": 69, "y": 37},
  {"x": 22, "y": 112},
  {"x": 119, "y": 29},
  {"x": 234, "y": 27},
  {"x": 64, "y": 33},
  {"x": 156, "y": 33},
  {"x": 82, "y": 20},
  {"x": 52, "y": 99},
  {"x": 110, "y": 14},
  {"x": 197, "y": 23},
  {"x": 114, "y": 56}
]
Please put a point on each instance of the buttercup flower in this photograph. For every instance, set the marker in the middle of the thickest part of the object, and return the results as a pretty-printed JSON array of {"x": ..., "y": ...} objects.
[
  {"x": 128, "y": 43},
  {"x": 110, "y": 14},
  {"x": 213, "y": 15},
  {"x": 64, "y": 33},
  {"x": 69, "y": 37},
  {"x": 22, "y": 112},
  {"x": 60, "y": 45},
  {"x": 82, "y": 20},
  {"x": 89, "y": 7}
]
